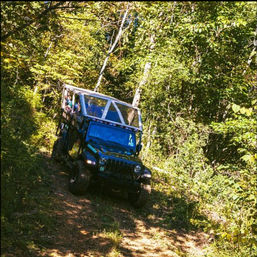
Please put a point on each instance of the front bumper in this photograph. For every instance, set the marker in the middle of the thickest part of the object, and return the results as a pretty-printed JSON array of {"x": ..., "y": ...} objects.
[{"x": 122, "y": 183}]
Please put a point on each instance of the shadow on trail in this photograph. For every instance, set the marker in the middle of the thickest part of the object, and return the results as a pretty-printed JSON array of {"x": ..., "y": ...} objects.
[
  {"x": 173, "y": 212},
  {"x": 88, "y": 224},
  {"x": 92, "y": 224}
]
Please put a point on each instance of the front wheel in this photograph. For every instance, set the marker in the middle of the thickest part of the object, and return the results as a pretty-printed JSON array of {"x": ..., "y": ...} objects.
[
  {"x": 79, "y": 179},
  {"x": 139, "y": 199}
]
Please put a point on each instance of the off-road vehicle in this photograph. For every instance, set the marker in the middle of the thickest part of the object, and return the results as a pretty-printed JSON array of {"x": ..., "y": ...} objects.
[{"x": 99, "y": 138}]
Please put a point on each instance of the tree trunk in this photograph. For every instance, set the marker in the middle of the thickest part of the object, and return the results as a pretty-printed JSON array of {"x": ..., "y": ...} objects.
[
  {"x": 253, "y": 53},
  {"x": 137, "y": 95},
  {"x": 35, "y": 90},
  {"x": 111, "y": 50},
  {"x": 147, "y": 69},
  {"x": 149, "y": 140}
]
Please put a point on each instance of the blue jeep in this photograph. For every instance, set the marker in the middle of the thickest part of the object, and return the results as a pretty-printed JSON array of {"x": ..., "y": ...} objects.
[{"x": 99, "y": 137}]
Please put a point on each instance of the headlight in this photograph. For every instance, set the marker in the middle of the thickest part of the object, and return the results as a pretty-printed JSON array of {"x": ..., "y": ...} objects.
[
  {"x": 90, "y": 162},
  {"x": 102, "y": 161},
  {"x": 137, "y": 169}
]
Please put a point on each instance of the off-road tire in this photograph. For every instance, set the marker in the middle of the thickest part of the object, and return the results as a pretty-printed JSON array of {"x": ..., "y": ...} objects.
[
  {"x": 139, "y": 199},
  {"x": 79, "y": 178},
  {"x": 58, "y": 148}
]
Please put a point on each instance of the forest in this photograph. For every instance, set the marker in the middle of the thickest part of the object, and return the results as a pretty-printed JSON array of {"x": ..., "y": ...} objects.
[{"x": 190, "y": 66}]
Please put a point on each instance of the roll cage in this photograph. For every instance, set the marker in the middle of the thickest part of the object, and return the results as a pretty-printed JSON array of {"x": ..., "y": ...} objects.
[{"x": 101, "y": 107}]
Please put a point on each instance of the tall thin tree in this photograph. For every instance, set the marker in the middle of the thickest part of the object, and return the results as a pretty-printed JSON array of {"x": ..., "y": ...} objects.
[
  {"x": 111, "y": 49},
  {"x": 144, "y": 79}
]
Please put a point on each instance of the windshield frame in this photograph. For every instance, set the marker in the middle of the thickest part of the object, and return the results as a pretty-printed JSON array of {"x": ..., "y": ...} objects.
[
  {"x": 115, "y": 128},
  {"x": 117, "y": 106}
]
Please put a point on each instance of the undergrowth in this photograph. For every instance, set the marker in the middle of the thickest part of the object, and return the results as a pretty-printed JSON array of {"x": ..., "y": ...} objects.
[
  {"x": 197, "y": 195},
  {"x": 25, "y": 181}
]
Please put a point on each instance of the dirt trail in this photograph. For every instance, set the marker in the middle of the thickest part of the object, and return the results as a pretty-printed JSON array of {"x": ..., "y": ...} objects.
[{"x": 102, "y": 225}]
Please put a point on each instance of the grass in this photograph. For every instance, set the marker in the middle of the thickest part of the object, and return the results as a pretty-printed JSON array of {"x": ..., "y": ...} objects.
[{"x": 114, "y": 236}]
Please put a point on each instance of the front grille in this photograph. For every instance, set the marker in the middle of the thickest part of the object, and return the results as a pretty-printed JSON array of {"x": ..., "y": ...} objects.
[{"x": 120, "y": 168}]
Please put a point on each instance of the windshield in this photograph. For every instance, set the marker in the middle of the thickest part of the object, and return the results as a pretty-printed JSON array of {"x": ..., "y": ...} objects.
[
  {"x": 130, "y": 115},
  {"x": 94, "y": 105},
  {"x": 113, "y": 134},
  {"x": 111, "y": 110}
]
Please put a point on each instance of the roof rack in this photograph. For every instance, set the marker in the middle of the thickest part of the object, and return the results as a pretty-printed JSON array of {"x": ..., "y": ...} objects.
[{"x": 110, "y": 109}]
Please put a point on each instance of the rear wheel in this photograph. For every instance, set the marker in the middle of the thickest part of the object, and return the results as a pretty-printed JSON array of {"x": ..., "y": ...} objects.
[
  {"x": 139, "y": 199},
  {"x": 58, "y": 148},
  {"x": 79, "y": 178}
]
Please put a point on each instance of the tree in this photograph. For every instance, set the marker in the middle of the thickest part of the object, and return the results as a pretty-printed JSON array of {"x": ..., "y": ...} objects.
[{"x": 118, "y": 36}]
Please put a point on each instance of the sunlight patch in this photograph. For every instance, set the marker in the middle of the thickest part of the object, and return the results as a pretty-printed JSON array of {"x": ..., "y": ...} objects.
[
  {"x": 83, "y": 232},
  {"x": 55, "y": 253}
]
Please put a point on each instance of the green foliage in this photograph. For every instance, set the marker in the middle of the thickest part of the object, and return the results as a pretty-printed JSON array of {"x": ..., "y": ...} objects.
[
  {"x": 226, "y": 195},
  {"x": 240, "y": 209},
  {"x": 242, "y": 128},
  {"x": 198, "y": 104},
  {"x": 24, "y": 178}
]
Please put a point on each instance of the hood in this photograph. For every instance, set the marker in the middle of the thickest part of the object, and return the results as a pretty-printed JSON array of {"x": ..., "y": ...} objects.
[{"x": 108, "y": 148}]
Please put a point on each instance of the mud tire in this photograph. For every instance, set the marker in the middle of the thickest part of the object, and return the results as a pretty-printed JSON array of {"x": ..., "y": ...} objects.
[
  {"x": 79, "y": 178},
  {"x": 58, "y": 150},
  {"x": 139, "y": 199}
]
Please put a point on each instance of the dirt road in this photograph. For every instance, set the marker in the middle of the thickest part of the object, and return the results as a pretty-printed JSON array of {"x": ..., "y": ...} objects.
[{"x": 99, "y": 224}]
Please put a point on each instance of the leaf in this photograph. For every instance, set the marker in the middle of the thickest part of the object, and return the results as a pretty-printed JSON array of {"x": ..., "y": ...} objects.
[
  {"x": 248, "y": 112},
  {"x": 243, "y": 110},
  {"x": 248, "y": 158},
  {"x": 228, "y": 236},
  {"x": 235, "y": 108},
  {"x": 8, "y": 60},
  {"x": 254, "y": 102},
  {"x": 223, "y": 235}
]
